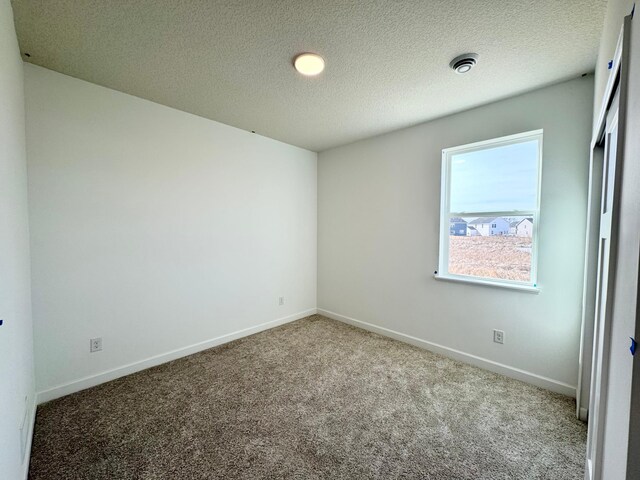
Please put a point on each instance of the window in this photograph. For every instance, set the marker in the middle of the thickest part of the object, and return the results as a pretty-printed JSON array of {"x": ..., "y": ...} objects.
[{"x": 490, "y": 209}]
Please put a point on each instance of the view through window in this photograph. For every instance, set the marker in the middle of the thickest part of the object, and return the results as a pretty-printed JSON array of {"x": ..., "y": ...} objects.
[{"x": 491, "y": 208}]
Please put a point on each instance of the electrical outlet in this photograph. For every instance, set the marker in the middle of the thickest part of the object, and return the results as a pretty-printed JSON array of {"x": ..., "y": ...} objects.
[
  {"x": 281, "y": 301},
  {"x": 498, "y": 336},
  {"x": 95, "y": 344}
]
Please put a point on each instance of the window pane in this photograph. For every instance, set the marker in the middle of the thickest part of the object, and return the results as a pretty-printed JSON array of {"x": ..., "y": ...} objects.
[
  {"x": 497, "y": 179},
  {"x": 491, "y": 247}
]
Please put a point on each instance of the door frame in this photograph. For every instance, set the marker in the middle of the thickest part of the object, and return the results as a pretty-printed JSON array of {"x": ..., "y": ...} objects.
[
  {"x": 585, "y": 360},
  {"x": 624, "y": 308},
  {"x": 605, "y": 288}
]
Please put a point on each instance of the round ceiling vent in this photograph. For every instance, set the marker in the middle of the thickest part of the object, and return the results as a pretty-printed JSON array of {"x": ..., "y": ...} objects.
[{"x": 463, "y": 63}]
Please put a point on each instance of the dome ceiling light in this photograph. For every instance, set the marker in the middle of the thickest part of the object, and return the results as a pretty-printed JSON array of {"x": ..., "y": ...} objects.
[{"x": 309, "y": 64}]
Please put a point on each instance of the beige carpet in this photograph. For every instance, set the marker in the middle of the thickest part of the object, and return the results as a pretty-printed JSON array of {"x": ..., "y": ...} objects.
[{"x": 312, "y": 399}]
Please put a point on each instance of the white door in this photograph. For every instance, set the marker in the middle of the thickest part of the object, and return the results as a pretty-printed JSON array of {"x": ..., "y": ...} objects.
[{"x": 602, "y": 329}]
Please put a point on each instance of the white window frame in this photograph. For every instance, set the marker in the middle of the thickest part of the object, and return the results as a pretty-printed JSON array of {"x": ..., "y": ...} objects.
[{"x": 445, "y": 214}]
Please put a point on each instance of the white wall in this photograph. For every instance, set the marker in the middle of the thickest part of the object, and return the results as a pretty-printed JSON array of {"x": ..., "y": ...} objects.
[
  {"x": 616, "y": 431},
  {"x": 16, "y": 340},
  {"x": 614, "y": 18},
  {"x": 625, "y": 311},
  {"x": 156, "y": 229},
  {"x": 378, "y": 217}
]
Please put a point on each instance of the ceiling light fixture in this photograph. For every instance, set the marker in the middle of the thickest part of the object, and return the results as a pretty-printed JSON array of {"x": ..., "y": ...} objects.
[
  {"x": 309, "y": 64},
  {"x": 463, "y": 63}
]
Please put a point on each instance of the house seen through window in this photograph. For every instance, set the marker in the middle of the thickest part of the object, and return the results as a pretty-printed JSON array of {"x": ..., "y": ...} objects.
[{"x": 490, "y": 210}]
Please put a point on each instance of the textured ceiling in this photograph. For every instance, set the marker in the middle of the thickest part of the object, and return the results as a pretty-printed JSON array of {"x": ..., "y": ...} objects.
[{"x": 387, "y": 61}]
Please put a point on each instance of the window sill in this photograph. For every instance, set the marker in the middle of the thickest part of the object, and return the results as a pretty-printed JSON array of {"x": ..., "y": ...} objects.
[{"x": 489, "y": 283}]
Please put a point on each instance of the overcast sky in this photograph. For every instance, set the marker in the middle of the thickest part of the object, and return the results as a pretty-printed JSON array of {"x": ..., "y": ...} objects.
[{"x": 497, "y": 179}]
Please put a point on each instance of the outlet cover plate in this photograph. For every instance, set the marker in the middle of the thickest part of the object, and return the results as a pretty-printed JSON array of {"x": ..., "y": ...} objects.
[{"x": 95, "y": 344}]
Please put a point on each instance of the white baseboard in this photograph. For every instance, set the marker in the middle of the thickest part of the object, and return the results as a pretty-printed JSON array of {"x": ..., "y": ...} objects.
[
  {"x": 97, "y": 379},
  {"x": 584, "y": 414},
  {"x": 31, "y": 418},
  {"x": 523, "y": 375}
]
